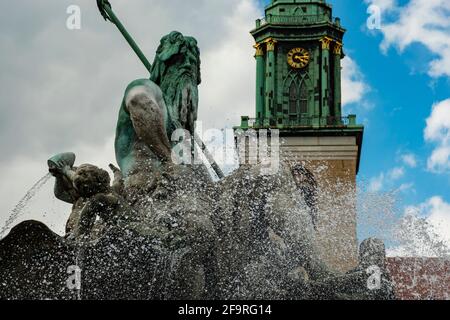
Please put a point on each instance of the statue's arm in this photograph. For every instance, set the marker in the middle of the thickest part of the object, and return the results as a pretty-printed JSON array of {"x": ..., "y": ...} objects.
[
  {"x": 63, "y": 190},
  {"x": 60, "y": 166}
]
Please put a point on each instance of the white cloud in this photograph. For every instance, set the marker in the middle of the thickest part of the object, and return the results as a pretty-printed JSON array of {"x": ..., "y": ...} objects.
[
  {"x": 405, "y": 187},
  {"x": 229, "y": 71},
  {"x": 383, "y": 4},
  {"x": 354, "y": 87},
  {"x": 425, "y": 22},
  {"x": 376, "y": 183},
  {"x": 438, "y": 131},
  {"x": 424, "y": 230},
  {"x": 379, "y": 182},
  {"x": 410, "y": 160},
  {"x": 397, "y": 173},
  {"x": 439, "y": 216}
]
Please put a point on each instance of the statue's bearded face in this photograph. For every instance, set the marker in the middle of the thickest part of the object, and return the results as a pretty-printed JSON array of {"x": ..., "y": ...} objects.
[
  {"x": 177, "y": 71},
  {"x": 177, "y": 55}
]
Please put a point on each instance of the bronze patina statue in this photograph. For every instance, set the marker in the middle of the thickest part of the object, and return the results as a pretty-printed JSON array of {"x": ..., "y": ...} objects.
[
  {"x": 176, "y": 70},
  {"x": 150, "y": 114},
  {"x": 96, "y": 205},
  {"x": 152, "y": 110}
]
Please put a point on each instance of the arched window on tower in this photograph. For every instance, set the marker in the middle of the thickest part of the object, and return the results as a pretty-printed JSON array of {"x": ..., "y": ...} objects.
[
  {"x": 293, "y": 98},
  {"x": 303, "y": 98}
]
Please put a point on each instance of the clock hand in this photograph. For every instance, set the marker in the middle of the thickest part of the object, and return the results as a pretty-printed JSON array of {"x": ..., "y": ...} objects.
[{"x": 301, "y": 58}]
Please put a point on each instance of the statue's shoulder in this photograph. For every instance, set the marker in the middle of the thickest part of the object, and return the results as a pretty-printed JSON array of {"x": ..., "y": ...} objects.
[
  {"x": 146, "y": 83},
  {"x": 143, "y": 86}
]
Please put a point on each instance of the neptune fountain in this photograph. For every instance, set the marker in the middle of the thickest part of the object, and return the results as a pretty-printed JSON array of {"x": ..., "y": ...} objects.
[{"x": 163, "y": 229}]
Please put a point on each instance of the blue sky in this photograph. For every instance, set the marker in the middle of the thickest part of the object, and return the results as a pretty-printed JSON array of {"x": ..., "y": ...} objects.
[
  {"x": 402, "y": 95},
  {"x": 395, "y": 108}
]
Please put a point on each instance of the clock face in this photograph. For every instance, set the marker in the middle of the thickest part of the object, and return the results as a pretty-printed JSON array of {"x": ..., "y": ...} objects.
[{"x": 298, "y": 58}]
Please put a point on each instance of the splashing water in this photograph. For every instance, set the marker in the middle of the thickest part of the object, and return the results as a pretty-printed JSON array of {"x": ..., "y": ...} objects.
[
  {"x": 21, "y": 205},
  {"x": 382, "y": 214},
  {"x": 264, "y": 261},
  {"x": 79, "y": 263}
]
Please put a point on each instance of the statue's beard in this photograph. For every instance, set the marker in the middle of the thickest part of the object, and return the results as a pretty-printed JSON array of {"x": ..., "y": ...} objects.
[{"x": 181, "y": 97}]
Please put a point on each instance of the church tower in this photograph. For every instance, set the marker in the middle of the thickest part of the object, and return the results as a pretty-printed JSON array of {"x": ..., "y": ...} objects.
[{"x": 299, "y": 48}]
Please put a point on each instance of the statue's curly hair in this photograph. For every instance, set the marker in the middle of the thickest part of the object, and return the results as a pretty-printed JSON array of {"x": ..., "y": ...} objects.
[
  {"x": 175, "y": 43},
  {"x": 177, "y": 67},
  {"x": 90, "y": 180},
  {"x": 195, "y": 50}
]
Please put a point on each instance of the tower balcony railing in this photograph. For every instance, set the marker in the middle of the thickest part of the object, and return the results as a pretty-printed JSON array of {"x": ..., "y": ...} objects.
[
  {"x": 299, "y": 122},
  {"x": 292, "y": 20}
]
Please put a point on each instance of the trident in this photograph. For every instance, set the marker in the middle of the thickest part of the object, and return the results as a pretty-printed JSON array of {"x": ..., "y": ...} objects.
[{"x": 106, "y": 11}]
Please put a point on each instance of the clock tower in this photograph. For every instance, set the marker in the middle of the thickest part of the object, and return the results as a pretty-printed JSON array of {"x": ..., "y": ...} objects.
[
  {"x": 299, "y": 49},
  {"x": 298, "y": 65}
]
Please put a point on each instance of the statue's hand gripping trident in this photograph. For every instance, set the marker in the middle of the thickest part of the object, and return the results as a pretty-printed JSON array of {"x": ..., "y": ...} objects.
[
  {"x": 101, "y": 6},
  {"x": 108, "y": 14}
]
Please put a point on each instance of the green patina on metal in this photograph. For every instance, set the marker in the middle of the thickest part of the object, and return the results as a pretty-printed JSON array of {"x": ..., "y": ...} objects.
[
  {"x": 299, "y": 48},
  {"x": 176, "y": 73},
  {"x": 298, "y": 66},
  {"x": 176, "y": 70},
  {"x": 125, "y": 132}
]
